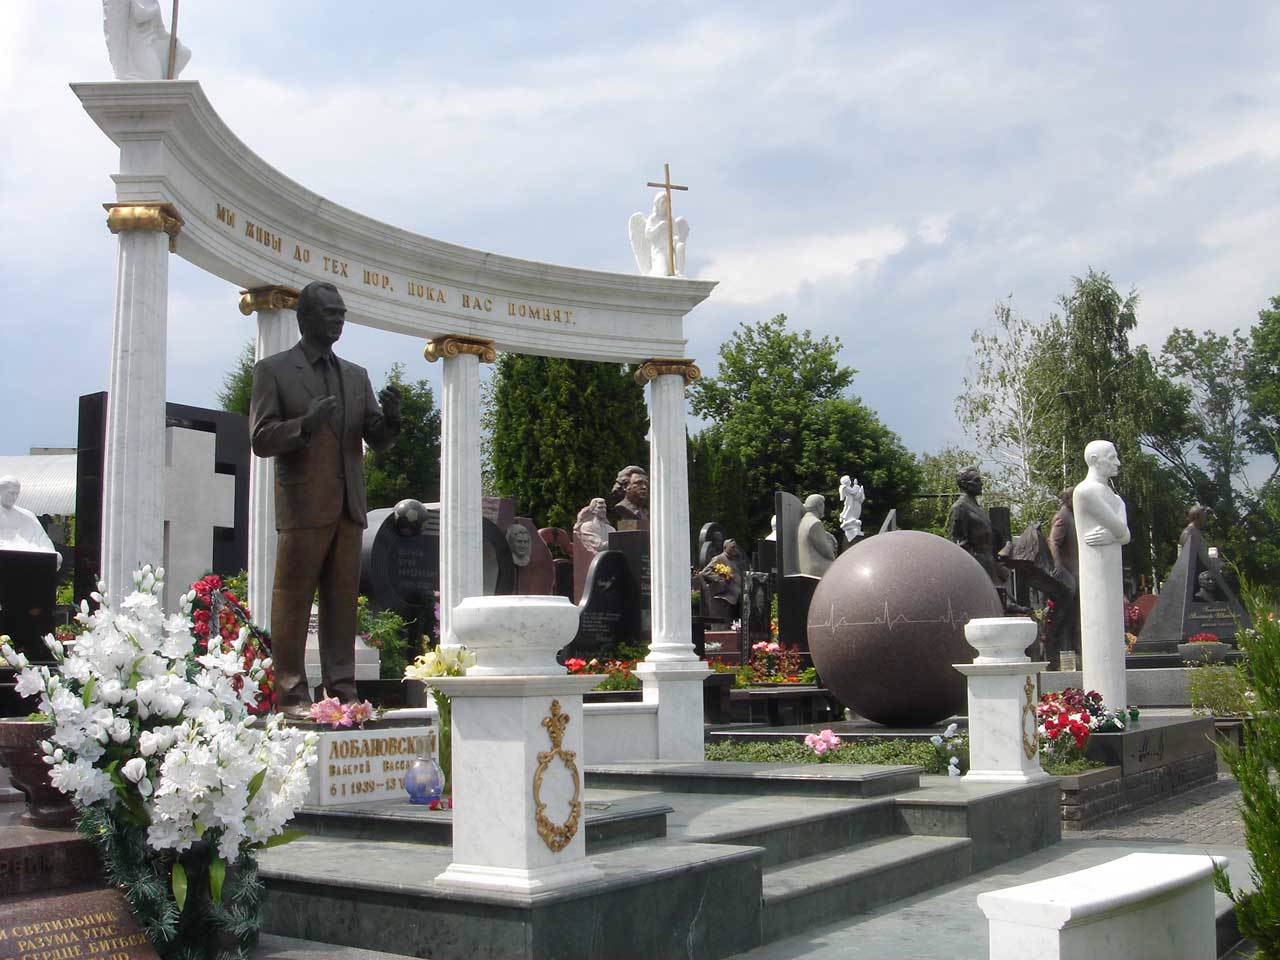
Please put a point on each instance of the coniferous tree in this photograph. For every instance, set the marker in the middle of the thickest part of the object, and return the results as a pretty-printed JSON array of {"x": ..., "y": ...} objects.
[
  {"x": 560, "y": 430},
  {"x": 237, "y": 384},
  {"x": 410, "y": 467}
]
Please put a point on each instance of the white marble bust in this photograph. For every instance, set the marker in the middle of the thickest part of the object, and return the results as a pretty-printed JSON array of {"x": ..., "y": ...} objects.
[
  {"x": 19, "y": 528},
  {"x": 815, "y": 547},
  {"x": 592, "y": 528}
]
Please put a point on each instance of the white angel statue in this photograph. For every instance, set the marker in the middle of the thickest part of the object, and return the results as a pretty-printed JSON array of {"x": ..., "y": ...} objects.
[
  {"x": 649, "y": 239},
  {"x": 852, "y": 496},
  {"x": 137, "y": 42}
]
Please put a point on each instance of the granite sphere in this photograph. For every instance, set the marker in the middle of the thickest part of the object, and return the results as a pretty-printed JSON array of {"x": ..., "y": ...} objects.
[{"x": 887, "y": 622}]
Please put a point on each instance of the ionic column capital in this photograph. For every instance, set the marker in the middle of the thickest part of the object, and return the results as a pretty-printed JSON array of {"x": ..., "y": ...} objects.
[
  {"x": 659, "y": 366},
  {"x": 268, "y": 298},
  {"x": 451, "y": 345},
  {"x": 145, "y": 216}
]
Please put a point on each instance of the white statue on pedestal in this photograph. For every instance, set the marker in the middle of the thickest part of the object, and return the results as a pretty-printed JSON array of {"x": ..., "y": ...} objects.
[
  {"x": 852, "y": 497},
  {"x": 651, "y": 243},
  {"x": 19, "y": 528},
  {"x": 137, "y": 42},
  {"x": 1101, "y": 529}
]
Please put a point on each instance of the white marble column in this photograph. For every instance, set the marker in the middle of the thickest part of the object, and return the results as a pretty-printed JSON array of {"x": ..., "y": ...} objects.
[
  {"x": 461, "y": 534},
  {"x": 277, "y": 331},
  {"x": 672, "y": 674},
  {"x": 133, "y": 468}
]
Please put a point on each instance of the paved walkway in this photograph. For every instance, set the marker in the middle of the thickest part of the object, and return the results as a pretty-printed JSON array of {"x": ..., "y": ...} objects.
[{"x": 1208, "y": 815}]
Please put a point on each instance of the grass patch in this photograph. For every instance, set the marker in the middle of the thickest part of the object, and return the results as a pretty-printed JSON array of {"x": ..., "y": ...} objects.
[
  {"x": 1071, "y": 768},
  {"x": 886, "y": 752}
]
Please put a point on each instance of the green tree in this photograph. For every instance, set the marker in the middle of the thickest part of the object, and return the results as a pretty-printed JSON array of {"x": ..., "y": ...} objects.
[
  {"x": 237, "y": 384},
  {"x": 715, "y": 486},
  {"x": 1262, "y": 382},
  {"x": 778, "y": 401},
  {"x": 1006, "y": 407},
  {"x": 1110, "y": 390},
  {"x": 410, "y": 467},
  {"x": 560, "y": 430}
]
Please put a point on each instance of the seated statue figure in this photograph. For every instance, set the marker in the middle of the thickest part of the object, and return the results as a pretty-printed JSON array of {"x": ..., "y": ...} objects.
[
  {"x": 19, "y": 528},
  {"x": 815, "y": 547}
]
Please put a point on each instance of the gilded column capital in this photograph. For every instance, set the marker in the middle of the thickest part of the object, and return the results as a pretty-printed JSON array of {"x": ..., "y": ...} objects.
[
  {"x": 268, "y": 298},
  {"x": 659, "y": 366},
  {"x": 145, "y": 216},
  {"x": 453, "y": 344}
]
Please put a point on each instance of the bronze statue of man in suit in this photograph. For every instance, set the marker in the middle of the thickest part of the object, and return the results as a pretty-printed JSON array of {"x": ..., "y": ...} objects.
[{"x": 310, "y": 411}]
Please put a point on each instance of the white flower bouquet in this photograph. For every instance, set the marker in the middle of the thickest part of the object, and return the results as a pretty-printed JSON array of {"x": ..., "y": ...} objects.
[{"x": 173, "y": 778}]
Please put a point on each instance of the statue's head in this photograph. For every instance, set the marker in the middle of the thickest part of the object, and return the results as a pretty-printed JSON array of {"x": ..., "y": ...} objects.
[
  {"x": 845, "y": 481},
  {"x": 521, "y": 544},
  {"x": 1065, "y": 495},
  {"x": 599, "y": 509},
  {"x": 731, "y": 549},
  {"x": 816, "y": 504},
  {"x": 321, "y": 313},
  {"x": 969, "y": 480},
  {"x": 9, "y": 490},
  {"x": 660, "y": 205},
  {"x": 633, "y": 483},
  {"x": 1101, "y": 456},
  {"x": 1197, "y": 515}
]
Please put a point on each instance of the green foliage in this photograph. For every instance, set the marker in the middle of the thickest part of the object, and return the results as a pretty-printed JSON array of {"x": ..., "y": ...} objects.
[
  {"x": 938, "y": 476},
  {"x": 410, "y": 467},
  {"x": 779, "y": 405},
  {"x": 560, "y": 430},
  {"x": 385, "y": 632},
  {"x": 1263, "y": 381},
  {"x": 1254, "y": 767},
  {"x": 1219, "y": 689},
  {"x": 716, "y": 491},
  {"x": 148, "y": 880},
  {"x": 1069, "y": 767},
  {"x": 881, "y": 751},
  {"x": 237, "y": 384}
]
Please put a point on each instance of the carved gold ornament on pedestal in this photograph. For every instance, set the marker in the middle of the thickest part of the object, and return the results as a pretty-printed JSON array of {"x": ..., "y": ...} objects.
[{"x": 557, "y": 836}]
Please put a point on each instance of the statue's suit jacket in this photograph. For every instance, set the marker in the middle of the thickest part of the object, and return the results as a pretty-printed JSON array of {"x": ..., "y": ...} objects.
[{"x": 313, "y": 473}]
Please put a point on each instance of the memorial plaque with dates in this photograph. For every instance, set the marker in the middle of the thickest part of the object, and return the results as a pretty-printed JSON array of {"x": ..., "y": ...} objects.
[{"x": 93, "y": 925}]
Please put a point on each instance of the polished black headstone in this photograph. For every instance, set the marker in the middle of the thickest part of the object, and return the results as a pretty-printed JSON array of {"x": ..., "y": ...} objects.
[
  {"x": 634, "y": 545},
  {"x": 793, "y": 610},
  {"x": 564, "y": 577},
  {"x": 1195, "y": 598},
  {"x": 28, "y": 581},
  {"x": 610, "y": 609},
  {"x": 400, "y": 565},
  {"x": 756, "y": 608}
]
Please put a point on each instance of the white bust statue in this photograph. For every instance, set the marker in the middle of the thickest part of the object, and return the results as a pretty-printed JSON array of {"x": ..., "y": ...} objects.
[
  {"x": 137, "y": 42},
  {"x": 852, "y": 496},
  {"x": 592, "y": 528},
  {"x": 1101, "y": 530},
  {"x": 815, "y": 548},
  {"x": 649, "y": 239},
  {"x": 19, "y": 528}
]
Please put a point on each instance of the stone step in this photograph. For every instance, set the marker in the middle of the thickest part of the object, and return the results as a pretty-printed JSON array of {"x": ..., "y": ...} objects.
[
  {"x": 618, "y": 822},
  {"x": 775, "y": 779},
  {"x": 820, "y": 889}
]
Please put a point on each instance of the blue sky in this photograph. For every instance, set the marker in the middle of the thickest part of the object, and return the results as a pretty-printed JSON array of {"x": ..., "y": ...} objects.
[{"x": 880, "y": 172}]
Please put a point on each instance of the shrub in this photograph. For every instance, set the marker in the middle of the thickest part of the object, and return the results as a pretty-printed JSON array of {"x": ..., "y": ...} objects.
[
  {"x": 880, "y": 751},
  {"x": 1220, "y": 690}
]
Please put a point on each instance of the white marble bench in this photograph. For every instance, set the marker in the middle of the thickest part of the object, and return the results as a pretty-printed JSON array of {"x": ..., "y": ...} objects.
[{"x": 1139, "y": 907}]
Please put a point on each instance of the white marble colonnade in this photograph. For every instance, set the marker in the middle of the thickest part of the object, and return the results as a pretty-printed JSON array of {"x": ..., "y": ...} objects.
[
  {"x": 461, "y": 530},
  {"x": 672, "y": 673},
  {"x": 133, "y": 467},
  {"x": 276, "y": 308}
]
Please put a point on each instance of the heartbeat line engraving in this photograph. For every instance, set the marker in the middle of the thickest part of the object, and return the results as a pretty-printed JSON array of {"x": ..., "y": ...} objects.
[{"x": 949, "y": 619}]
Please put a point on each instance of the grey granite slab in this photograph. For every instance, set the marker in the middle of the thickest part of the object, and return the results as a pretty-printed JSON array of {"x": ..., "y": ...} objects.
[{"x": 779, "y": 779}]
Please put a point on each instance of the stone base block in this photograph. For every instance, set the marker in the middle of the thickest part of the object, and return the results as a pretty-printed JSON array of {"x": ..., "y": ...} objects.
[{"x": 361, "y": 766}]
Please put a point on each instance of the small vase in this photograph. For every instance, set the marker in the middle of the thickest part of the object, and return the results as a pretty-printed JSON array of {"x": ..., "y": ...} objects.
[
  {"x": 47, "y": 806},
  {"x": 425, "y": 781}
]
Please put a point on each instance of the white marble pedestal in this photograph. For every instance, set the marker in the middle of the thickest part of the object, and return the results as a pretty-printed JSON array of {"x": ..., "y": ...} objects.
[
  {"x": 518, "y": 819},
  {"x": 1003, "y": 742}
]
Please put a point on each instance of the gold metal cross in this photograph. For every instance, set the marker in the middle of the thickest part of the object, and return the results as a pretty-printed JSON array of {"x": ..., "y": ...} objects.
[
  {"x": 173, "y": 40},
  {"x": 668, "y": 186}
]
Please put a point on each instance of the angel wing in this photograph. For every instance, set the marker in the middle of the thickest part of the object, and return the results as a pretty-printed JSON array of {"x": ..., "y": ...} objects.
[
  {"x": 115, "y": 26},
  {"x": 681, "y": 236},
  {"x": 640, "y": 243}
]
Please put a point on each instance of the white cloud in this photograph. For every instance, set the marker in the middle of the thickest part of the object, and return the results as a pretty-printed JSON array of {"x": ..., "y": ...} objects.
[{"x": 776, "y": 267}]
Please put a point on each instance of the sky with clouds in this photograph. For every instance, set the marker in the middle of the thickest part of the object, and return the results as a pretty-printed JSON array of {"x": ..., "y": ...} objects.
[{"x": 879, "y": 172}]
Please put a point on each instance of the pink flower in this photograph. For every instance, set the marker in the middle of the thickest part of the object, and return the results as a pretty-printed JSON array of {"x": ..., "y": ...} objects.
[
  {"x": 330, "y": 711},
  {"x": 822, "y": 741},
  {"x": 358, "y": 713}
]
